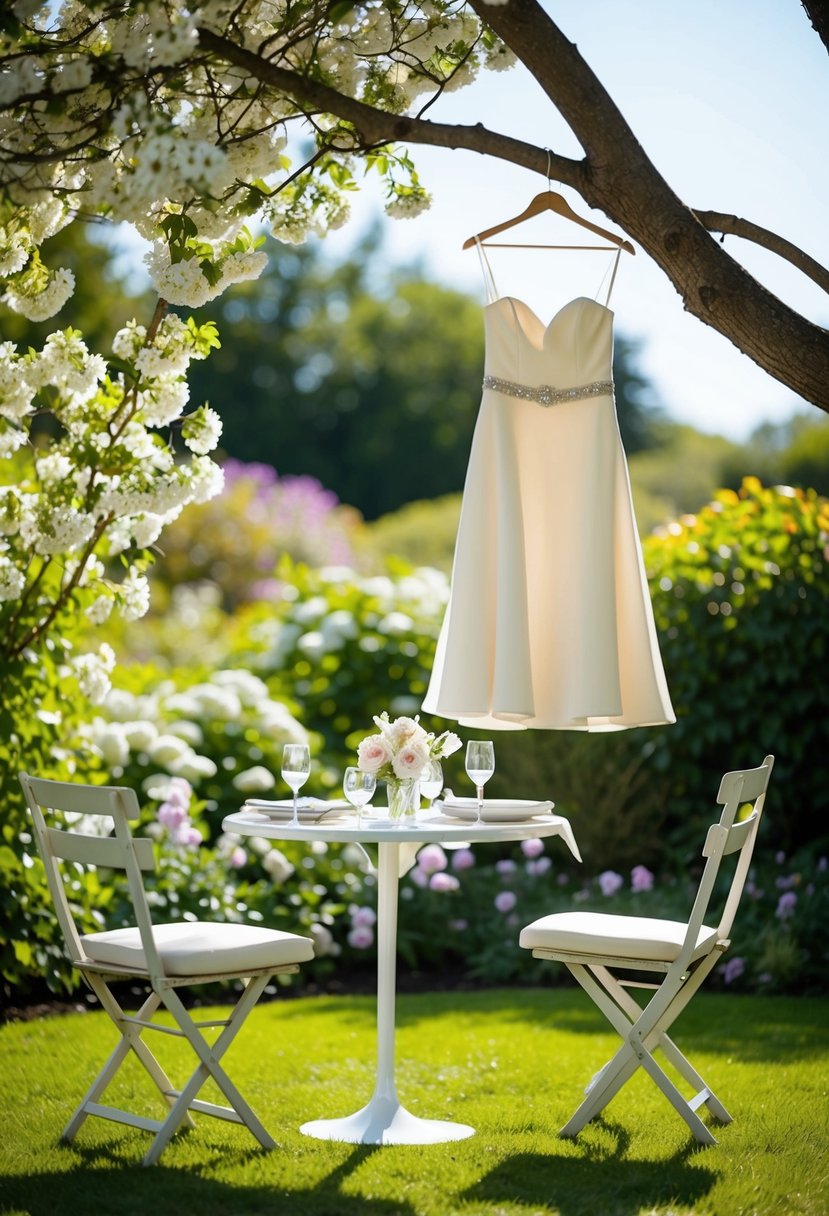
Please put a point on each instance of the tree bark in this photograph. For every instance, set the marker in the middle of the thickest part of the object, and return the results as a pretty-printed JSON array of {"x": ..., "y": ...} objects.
[{"x": 616, "y": 177}]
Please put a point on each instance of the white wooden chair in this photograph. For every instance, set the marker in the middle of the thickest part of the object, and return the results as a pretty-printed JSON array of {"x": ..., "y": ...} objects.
[
  {"x": 594, "y": 945},
  {"x": 165, "y": 956}
]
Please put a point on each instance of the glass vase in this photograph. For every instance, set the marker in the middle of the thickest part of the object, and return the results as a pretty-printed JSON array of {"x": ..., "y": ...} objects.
[{"x": 403, "y": 795}]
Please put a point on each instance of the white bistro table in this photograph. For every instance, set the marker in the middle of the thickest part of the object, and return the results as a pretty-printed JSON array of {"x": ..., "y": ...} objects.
[{"x": 384, "y": 1120}]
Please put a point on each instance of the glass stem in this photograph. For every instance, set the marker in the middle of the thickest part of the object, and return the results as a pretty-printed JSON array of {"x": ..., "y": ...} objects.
[
  {"x": 480, "y": 790},
  {"x": 296, "y": 810}
]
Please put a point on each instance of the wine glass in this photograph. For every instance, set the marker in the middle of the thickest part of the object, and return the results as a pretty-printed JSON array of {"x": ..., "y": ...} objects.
[
  {"x": 358, "y": 788},
  {"x": 431, "y": 781},
  {"x": 480, "y": 765},
  {"x": 296, "y": 768}
]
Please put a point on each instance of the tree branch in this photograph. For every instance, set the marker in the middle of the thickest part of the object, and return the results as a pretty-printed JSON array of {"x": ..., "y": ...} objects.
[
  {"x": 718, "y": 221},
  {"x": 376, "y": 127},
  {"x": 615, "y": 177},
  {"x": 818, "y": 13}
]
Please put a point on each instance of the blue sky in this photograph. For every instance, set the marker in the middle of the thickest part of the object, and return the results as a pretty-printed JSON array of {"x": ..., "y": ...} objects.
[{"x": 729, "y": 99}]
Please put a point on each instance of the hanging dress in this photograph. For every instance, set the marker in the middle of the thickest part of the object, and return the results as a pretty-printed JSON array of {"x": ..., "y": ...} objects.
[{"x": 549, "y": 623}]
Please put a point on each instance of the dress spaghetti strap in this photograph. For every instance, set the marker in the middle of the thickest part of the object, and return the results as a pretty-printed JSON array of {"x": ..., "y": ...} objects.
[
  {"x": 612, "y": 276},
  {"x": 486, "y": 271}
]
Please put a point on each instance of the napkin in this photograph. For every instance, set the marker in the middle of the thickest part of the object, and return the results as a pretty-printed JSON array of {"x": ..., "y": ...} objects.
[{"x": 307, "y": 808}]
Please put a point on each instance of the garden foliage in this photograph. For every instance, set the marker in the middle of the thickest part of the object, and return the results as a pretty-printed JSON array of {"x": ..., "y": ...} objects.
[{"x": 335, "y": 647}]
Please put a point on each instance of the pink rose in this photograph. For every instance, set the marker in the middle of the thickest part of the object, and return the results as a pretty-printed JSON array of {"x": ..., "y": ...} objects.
[
  {"x": 410, "y": 761},
  {"x": 373, "y": 753}
]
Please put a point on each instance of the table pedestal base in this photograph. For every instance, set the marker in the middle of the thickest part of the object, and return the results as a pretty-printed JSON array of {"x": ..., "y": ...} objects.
[{"x": 385, "y": 1121}]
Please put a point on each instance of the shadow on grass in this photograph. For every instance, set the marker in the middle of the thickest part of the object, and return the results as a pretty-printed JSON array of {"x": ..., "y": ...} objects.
[
  {"x": 752, "y": 1028},
  {"x": 131, "y": 1190},
  {"x": 601, "y": 1179}
]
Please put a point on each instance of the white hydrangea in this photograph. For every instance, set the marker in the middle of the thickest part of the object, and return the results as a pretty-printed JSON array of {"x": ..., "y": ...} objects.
[
  {"x": 256, "y": 780},
  {"x": 193, "y": 767},
  {"x": 277, "y": 865}
]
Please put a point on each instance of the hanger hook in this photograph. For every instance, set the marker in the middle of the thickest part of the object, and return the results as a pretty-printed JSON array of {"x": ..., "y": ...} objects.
[{"x": 549, "y": 167}]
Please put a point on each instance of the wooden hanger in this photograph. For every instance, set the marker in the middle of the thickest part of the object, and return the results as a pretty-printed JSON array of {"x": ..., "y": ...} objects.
[{"x": 549, "y": 200}]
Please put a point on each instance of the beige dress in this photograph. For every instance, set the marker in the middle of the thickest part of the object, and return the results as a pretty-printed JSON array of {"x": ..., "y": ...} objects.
[{"x": 549, "y": 623}]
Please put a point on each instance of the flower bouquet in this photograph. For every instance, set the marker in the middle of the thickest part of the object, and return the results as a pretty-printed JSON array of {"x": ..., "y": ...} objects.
[{"x": 399, "y": 754}]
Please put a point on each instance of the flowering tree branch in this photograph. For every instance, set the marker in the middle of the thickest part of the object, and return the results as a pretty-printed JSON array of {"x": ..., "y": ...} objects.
[
  {"x": 175, "y": 116},
  {"x": 615, "y": 176}
]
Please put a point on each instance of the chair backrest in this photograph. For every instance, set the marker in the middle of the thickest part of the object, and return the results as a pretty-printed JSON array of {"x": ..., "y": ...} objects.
[
  {"x": 76, "y": 807},
  {"x": 745, "y": 787}
]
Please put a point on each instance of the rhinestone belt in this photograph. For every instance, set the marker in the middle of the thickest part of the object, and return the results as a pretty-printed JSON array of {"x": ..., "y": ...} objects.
[{"x": 545, "y": 394}]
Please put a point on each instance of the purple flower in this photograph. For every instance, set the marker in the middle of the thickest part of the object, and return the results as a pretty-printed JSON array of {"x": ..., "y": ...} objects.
[
  {"x": 533, "y": 847},
  {"x": 538, "y": 866},
  {"x": 419, "y": 877},
  {"x": 562, "y": 880},
  {"x": 463, "y": 859},
  {"x": 505, "y": 901},
  {"x": 610, "y": 882},
  {"x": 786, "y": 905},
  {"x": 237, "y": 858},
  {"x": 362, "y": 916},
  {"x": 785, "y": 884},
  {"x": 459, "y": 926},
  {"x": 431, "y": 859},
  {"x": 187, "y": 835},
  {"x": 505, "y": 867},
  {"x": 780, "y": 857},
  {"x": 173, "y": 815},
  {"x": 733, "y": 969},
  {"x": 179, "y": 791},
  {"x": 641, "y": 879},
  {"x": 441, "y": 881},
  {"x": 361, "y": 937},
  {"x": 822, "y": 863}
]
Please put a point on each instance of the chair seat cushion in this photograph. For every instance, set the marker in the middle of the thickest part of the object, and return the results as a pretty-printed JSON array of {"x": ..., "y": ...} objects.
[
  {"x": 602, "y": 934},
  {"x": 201, "y": 948}
]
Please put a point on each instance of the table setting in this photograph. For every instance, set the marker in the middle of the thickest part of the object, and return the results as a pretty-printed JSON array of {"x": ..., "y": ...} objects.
[{"x": 407, "y": 758}]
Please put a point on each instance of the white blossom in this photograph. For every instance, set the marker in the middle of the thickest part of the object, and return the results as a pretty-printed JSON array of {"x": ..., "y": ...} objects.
[
  {"x": 134, "y": 596},
  {"x": 201, "y": 430},
  {"x": 12, "y": 580}
]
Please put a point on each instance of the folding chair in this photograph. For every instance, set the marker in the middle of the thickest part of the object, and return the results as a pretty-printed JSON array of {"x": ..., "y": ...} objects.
[
  {"x": 165, "y": 956},
  {"x": 593, "y": 945}
]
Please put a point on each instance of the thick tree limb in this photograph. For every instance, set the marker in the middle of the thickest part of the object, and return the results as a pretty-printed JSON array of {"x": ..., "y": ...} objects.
[
  {"x": 818, "y": 13},
  {"x": 615, "y": 176}
]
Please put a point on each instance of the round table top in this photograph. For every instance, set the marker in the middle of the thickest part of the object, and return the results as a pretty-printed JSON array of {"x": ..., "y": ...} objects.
[{"x": 374, "y": 827}]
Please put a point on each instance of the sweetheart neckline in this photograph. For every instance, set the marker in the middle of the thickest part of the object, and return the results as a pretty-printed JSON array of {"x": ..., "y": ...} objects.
[{"x": 556, "y": 315}]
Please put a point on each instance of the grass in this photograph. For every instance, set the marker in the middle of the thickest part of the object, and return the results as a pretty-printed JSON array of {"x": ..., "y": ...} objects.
[{"x": 512, "y": 1063}]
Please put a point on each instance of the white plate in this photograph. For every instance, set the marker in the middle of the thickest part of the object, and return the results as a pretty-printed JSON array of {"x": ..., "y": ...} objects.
[
  {"x": 309, "y": 810},
  {"x": 494, "y": 810}
]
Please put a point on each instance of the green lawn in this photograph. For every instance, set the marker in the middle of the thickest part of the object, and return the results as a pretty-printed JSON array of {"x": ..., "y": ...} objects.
[{"x": 512, "y": 1063}]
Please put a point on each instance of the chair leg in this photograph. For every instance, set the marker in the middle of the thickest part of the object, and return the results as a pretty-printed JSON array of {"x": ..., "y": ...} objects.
[
  {"x": 130, "y": 1041},
  {"x": 686, "y": 1069},
  {"x": 627, "y": 1018},
  {"x": 606, "y": 1084},
  {"x": 239, "y": 1110},
  {"x": 698, "y": 1129}
]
